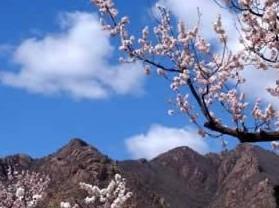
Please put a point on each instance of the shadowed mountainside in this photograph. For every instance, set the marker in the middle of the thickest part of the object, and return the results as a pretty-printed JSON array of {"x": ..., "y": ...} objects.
[{"x": 181, "y": 178}]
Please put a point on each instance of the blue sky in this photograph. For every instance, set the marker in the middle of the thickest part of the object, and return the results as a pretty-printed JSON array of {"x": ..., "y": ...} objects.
[
  {"x": 38, "y": 124},
  {"x": 38, "y": 118}
]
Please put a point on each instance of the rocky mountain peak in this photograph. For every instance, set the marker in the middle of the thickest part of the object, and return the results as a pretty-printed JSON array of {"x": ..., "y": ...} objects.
[
  {"x": 77, "y": 150},
  {"x": 77, "y": 143}
]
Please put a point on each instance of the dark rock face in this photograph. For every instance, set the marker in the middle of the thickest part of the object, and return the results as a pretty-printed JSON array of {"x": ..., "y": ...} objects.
[{"x": 181, "y": 178}]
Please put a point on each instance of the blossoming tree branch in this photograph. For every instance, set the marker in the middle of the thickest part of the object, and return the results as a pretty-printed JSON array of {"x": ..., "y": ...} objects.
[{"x": 205, "y": 81}]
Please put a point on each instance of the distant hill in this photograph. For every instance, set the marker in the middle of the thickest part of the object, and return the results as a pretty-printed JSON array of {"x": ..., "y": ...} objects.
[{"x": 247, "y": 177}]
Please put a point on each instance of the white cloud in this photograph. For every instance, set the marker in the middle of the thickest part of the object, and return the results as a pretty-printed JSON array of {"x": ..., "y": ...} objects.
[
  {"x": 257, "y": 81},
  {"x": 160, "y": 139},
  {"x": 74, "y": 62}
]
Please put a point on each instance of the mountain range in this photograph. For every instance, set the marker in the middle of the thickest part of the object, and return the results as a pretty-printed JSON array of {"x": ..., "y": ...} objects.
[{"x": 245, "y": 177}]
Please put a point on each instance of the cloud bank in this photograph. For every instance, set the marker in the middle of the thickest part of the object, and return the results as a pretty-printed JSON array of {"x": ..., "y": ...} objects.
[
  {"x": 73, "y": 62},
  {"x": 160, "y": 139}
]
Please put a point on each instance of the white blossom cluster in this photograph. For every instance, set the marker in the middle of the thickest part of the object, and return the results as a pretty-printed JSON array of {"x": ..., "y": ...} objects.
[
  {"x": 260, "y": 21},
  {"x": 22, "y": 189},
  {"x": 106, "y": 6},
  {"x": 205, "y": 80},
  {"x": 114, "y": 196},
  {"x": 260, "y": 31}
]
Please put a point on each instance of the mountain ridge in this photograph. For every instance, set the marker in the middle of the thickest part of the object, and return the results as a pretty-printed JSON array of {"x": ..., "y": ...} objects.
[{"x": 247, "y": 176}]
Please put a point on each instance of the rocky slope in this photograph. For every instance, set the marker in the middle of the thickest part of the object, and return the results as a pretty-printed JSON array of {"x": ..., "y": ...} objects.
[{"x": 181, "y": 178}]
